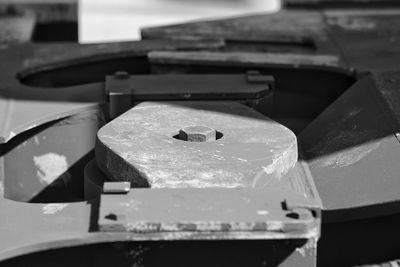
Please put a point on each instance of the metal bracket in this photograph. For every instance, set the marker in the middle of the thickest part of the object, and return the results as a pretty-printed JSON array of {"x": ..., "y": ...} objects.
[{"x": 125, "y": 90}]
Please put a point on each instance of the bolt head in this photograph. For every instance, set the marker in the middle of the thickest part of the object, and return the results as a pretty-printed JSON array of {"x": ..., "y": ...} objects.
[{"x": 197, "y": 133}]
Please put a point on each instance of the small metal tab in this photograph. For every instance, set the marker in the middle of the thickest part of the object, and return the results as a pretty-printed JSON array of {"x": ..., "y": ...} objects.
[{"x": 116, "y": 187}]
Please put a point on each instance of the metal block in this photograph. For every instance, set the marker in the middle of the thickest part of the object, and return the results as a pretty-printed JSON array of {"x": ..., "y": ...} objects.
[
  {"x": 143, "y": 146},
  {"x": 214, "y": 213}
]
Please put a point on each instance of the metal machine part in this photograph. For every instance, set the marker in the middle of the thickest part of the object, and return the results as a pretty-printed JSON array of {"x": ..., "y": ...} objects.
[
  {"x": 125, "y": 90},
  {"x": 235, "y": 185},
  {"x": 351, "y": 159},
  {"x": 145, "y": 146},
  {"x": 335, "y": 87}
]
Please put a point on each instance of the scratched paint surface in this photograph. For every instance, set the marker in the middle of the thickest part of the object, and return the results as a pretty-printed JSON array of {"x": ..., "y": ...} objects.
[
  {"x": 345, "y": 139},
  {"x": 353, "y": 152},
  {"x": 197, "y": 210},
  {"x": 139, "y": 147}
]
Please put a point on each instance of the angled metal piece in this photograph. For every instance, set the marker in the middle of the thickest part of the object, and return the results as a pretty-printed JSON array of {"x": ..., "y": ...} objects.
[
  {"x": 18, "y": 116},
  {"x": 355, "y": 160}
]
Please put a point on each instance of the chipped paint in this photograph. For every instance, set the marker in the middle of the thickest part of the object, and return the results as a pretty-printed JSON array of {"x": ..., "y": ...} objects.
[
  {"x": 53, "y": 208},
  {"x": 344, "y": 147},
  {"x": 332, "y": 151},
  {"x": 11, "y": 135},
  {"x": 353, "y": 24},
  {"x": 349, "y": 156},
  {"x": 280, "y": 166},
  {"x": 301, "y": 251},
  {"x": 201, "y": 226},
  {"x": 283, "y": 162},
  {"x": 50, "y": 167}
]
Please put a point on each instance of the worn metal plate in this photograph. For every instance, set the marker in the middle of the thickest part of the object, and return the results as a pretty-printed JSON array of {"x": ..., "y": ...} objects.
[
  {"x": 301, "y": 29},
  {"x": 250, "y": 59},
  {"x": 141, "y": 146},
  {"x": 213, "y": 213},
  {"x": 302, "y": 38},
  {"x": 353, "y": 150},
  {"x": 41, "y": 57}
]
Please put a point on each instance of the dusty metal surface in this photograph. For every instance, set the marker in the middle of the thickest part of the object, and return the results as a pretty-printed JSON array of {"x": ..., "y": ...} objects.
[
  {"x": 298, "y": 30},
  {"x": 52, "y": 156},
  {"x": 302, "y": 38},
  {"x": 251, "y": 151},
  {"x": 354, "y": 160},
  {"x": 214, "y": 214}
]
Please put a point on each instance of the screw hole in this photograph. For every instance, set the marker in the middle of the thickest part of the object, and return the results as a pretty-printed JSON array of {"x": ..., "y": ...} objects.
[{"x": 218, "y": 135}]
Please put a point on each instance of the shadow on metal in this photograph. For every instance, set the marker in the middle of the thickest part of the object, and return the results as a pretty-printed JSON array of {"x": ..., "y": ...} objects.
[{"x": 172, "y": 253}]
